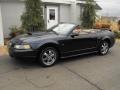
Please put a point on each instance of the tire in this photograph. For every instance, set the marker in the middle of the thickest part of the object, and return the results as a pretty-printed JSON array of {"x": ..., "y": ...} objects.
[
  {"x": 11, "y": 56},
  {"x": 104, "y": 48},
  {"x": 48, "y": 57}
]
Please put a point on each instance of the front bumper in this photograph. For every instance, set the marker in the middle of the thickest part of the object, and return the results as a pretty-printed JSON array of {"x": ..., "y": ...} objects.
[{"x": 22, "y": 53}]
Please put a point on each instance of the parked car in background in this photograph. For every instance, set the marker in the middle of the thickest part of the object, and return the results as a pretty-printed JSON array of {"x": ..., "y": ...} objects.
[{"x": 62, "y": 41}]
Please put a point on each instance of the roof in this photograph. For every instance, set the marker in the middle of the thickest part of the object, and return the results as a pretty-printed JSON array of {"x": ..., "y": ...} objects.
[
  {"x": 57, "y": 1},
  {"x": 44, "y": 1},
  {"x": 82, "y": 2}
]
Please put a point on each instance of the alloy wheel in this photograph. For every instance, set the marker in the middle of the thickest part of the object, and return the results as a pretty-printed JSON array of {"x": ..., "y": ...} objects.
[
  {"x": 48, "y": 57},
  {"x": 104, "y": 48}
]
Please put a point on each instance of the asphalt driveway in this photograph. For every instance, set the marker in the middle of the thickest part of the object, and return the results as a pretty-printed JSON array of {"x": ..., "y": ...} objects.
[{"x": 88, "y": 72}]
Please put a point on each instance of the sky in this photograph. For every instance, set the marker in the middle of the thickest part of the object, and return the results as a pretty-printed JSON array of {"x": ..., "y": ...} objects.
[{"x": 109, "y": 7}]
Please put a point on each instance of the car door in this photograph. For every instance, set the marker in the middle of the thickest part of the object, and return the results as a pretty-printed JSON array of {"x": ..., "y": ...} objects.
[{"x": 82, "y": 43}]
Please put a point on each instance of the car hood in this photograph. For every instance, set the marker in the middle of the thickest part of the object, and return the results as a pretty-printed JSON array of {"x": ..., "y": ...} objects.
[{"x": 35, "y": 37}]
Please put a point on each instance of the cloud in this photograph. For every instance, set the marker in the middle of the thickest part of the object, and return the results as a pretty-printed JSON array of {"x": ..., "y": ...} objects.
[{"x": 110, "y": 7}]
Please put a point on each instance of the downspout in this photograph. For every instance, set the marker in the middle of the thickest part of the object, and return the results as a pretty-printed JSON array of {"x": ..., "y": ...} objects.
[{"x": 1, "y": 29}]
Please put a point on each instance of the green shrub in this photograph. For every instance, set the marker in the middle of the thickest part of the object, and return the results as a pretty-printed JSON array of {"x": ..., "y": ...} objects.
[
  {"x": 117, "y": 33},
  {"x": 89, "y": 14},
  {"x": 32, "y": 18},
  {"x": 15, "y": 31}
]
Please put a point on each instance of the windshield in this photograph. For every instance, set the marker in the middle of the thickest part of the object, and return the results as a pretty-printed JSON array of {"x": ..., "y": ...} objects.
[{"x": 63, "y": 28}]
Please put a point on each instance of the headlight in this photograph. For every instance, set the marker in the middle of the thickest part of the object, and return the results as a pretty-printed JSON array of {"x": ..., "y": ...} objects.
[{"x": 22, "y": 47}]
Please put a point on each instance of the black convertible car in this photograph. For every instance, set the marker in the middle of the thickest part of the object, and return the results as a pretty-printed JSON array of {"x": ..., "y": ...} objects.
[{"x": 64, "y": 40}]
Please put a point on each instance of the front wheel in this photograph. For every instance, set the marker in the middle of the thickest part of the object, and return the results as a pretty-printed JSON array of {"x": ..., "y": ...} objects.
[
  {"x": 48, "y": 57},
  {"x": 104, "y": 48}
]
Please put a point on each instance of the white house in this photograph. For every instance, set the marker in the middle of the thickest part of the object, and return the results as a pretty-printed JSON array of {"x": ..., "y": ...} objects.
[{"x": 54, "y": 12}]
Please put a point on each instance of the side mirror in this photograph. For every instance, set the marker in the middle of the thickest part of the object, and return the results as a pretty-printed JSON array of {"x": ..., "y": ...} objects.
[{"x": 74, "y": 35}]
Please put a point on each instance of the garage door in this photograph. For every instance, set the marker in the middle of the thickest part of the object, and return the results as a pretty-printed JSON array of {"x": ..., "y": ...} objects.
[{"x": 11, "y": 13}]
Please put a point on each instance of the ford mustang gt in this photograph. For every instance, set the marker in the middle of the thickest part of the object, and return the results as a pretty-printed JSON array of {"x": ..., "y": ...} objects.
[{"x": 61, "y": 41}]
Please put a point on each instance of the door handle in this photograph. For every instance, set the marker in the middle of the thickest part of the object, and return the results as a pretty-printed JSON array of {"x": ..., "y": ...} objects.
[{"x": 48, "y": 21}]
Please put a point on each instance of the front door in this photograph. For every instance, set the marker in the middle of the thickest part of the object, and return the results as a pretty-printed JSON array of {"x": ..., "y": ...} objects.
[
  {"x": 52, "y": 16},
  {"x": 84, "y": 42},
  {"x": 79, "y": 44}
]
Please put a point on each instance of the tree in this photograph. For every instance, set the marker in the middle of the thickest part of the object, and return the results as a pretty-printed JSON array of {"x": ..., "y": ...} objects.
[
  {"x": 32, "y": 18},
  {"x": 119, "y": 25},
  {"x": 89, "y": 14}
]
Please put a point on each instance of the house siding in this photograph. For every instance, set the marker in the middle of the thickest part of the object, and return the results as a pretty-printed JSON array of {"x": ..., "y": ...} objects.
[
  {"x": 78, "y": 14},
  {"x": 65, "y": 13},
  {"x": 11, "y": 12},
  {"x": 69, "y": 11}
]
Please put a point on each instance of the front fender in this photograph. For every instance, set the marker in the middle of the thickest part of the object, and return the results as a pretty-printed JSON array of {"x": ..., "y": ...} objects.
[
  {"x": 106, "y": 37},
  {"x": 102, "y": 38},
  {"x": 44, "y": 42}
]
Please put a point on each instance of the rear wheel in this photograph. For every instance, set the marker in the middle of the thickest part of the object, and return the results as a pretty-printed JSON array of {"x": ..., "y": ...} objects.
[
  {"x": 48, "y": 56},
  {"x": 104, "y": 48}
]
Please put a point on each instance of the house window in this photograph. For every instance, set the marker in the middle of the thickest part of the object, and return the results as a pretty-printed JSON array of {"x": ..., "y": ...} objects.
[{"x": 52, "y": 14}]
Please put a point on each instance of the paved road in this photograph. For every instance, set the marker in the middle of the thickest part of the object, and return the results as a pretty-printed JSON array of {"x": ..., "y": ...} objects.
[{"x": 89, "y": 72}]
